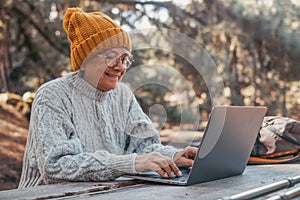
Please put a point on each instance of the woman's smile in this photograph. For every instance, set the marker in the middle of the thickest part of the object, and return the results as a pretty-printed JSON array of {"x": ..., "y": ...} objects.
[{"x": 112, "y": 76}]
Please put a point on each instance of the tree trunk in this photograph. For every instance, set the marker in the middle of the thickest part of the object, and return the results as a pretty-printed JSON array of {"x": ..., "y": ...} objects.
[{"x": 4, "y": 64}]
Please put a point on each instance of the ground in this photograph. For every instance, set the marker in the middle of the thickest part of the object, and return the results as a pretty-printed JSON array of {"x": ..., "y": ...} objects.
[{"x": 13, "y": 134}]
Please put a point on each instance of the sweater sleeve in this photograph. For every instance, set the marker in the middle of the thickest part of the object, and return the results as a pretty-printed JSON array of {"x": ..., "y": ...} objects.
[
  {"x": 59, "y": 152},
  {"x": 144, "y": 138}
]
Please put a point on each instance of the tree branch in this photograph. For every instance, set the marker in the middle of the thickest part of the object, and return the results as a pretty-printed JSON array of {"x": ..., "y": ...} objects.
[{"x": 37, "y": 27}]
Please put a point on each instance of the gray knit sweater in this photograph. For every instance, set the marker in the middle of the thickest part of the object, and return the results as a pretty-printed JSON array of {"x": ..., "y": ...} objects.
[{"x": 78, "y": 133}]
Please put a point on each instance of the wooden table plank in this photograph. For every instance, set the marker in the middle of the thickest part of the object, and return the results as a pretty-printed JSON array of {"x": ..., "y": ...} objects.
[
  {"x": 64, "y": 190},
  {"x": 253, "y": 177}
]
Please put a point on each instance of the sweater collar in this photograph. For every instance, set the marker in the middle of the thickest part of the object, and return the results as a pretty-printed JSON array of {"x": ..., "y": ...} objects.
[{"x": 85, "y": 88}]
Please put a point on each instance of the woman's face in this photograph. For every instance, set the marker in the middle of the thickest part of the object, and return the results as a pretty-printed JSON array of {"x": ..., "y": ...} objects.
[{"x": 106, "y": 69}]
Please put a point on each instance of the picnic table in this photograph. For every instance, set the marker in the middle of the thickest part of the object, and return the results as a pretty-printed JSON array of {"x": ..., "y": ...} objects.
[{"x": 255, "y": 176}]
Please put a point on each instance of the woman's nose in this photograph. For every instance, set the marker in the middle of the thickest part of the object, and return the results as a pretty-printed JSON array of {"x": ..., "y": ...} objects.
[{"x": 119, "y": 65}]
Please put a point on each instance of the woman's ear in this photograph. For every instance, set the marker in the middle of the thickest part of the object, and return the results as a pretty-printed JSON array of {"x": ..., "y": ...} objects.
[
  {"x": 81, "y": 72},
  {"x": 81, "y": 69}
]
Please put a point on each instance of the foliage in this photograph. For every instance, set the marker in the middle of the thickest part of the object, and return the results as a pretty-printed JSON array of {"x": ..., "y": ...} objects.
[{"x": 255, "y": 44}]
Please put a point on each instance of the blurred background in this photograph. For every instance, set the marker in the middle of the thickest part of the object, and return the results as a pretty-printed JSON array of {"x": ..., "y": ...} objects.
[{"x": 255, "y": 45}]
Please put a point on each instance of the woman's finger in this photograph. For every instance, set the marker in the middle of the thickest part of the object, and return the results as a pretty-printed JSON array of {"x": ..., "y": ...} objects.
[
  {"x": 158, "y": 169},
  {"x": 174, "y": 168},
  {"x": 164, "y": 163}
]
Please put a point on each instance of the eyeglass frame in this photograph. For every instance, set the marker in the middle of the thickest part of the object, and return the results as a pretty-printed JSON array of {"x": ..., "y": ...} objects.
[{"x": 117, "y": 59}]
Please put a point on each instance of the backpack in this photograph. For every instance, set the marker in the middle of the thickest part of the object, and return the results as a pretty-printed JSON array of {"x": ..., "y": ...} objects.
[{"x": 278, "y": 141}]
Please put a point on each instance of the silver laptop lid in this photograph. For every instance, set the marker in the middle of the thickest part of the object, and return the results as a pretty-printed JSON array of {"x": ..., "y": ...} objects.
[{"x": 227, "y": 142}]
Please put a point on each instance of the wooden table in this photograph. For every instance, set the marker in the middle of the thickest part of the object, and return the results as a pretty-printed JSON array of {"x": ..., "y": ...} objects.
[{"x": 253, "y": 177}]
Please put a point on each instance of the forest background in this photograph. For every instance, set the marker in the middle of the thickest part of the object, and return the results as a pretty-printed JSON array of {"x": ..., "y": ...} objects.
[{"x": 255, "y": 45}]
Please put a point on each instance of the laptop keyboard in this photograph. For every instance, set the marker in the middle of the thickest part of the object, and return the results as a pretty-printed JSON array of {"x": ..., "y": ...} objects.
[{"x": 183, "y": 178}]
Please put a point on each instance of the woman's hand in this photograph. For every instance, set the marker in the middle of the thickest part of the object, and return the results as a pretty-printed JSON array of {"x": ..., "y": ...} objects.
[
  {"x": 155, "y": 161},
  {"x": 186, "y": 157}
]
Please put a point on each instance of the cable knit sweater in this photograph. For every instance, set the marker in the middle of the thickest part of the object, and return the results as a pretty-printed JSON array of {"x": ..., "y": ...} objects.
[{"x": 78, "y": 133}]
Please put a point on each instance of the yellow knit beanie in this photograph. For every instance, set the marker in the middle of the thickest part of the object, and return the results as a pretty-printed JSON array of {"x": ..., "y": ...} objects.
[{"x": 89, "y": 30}]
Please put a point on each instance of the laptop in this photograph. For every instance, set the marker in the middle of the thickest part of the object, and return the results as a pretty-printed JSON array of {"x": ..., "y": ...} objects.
[{"x": 224, "y": 149}]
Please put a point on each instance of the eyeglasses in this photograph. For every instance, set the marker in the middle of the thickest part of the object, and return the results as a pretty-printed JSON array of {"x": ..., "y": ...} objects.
[{"x": 112, "y": 59}]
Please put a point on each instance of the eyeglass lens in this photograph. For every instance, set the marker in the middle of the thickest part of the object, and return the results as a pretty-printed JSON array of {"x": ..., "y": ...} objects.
[{"x": 112, "y": 59}]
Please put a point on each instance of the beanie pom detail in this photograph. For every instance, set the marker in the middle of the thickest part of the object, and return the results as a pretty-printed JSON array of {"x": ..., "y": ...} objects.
[{"x": 68, "y": 15}]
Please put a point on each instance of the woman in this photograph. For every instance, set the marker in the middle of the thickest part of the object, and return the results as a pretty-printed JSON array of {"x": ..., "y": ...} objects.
[{"x": 87, "y": 126}]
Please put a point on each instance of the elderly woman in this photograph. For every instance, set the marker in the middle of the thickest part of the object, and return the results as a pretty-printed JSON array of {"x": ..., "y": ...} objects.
[{"x": 87, "y": 126}]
